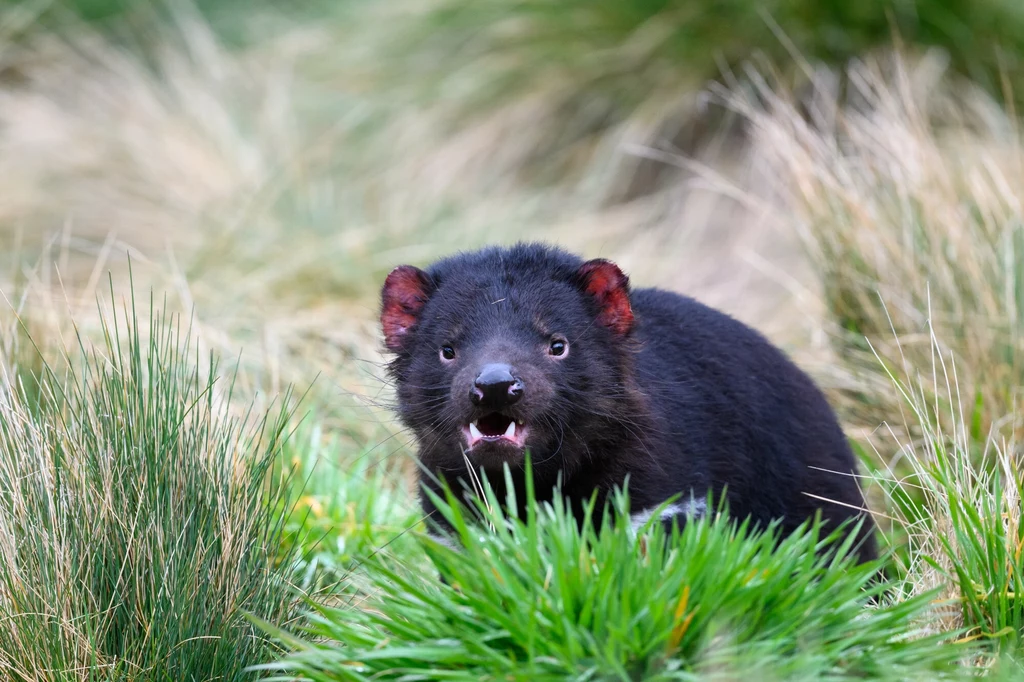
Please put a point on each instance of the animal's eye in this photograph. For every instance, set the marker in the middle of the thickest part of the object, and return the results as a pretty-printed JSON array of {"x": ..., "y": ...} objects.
[
  {"x": 447, "y": 353},
  {"x": 558, "y": 347}
]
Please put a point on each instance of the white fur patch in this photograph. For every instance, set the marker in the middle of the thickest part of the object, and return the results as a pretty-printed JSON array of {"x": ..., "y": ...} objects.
[
  {"x": 693, "y": 508},
  {"x": 442, "y": 540}
]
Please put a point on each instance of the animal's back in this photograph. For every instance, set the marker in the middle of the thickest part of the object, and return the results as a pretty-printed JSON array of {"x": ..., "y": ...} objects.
[{"x": 736, "y": 409}]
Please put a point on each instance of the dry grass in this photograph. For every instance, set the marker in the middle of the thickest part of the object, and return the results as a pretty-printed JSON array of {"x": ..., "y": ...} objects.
[
  {"x": 958, "y": 509},
  {"x": 909, "y": 203}
]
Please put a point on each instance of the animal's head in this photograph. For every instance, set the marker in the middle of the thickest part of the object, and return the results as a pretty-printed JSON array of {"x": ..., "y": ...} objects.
[{"x": 502, "y": 350}]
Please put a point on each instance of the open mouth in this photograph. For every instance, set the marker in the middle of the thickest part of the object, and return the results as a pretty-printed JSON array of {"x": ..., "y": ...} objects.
[{"x": 496, "y": 428}]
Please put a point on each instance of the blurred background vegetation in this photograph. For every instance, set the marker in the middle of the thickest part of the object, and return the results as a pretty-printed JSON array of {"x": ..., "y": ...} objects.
[{"x": 844, "y": 176}]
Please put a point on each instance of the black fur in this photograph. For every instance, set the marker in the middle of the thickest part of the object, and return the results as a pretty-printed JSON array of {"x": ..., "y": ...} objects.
[{"x": 679, "y": 396}]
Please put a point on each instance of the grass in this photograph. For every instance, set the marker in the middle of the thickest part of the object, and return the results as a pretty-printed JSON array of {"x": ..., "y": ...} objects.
[
  {"x": 136, "y": 528},
  {"x": 604, "y": 75},
  {"x": 911, "y": 214},
  {"x": 963, "y": 519},
  {"x": 600, "y": 75},
  {"x": 342, "y": 509},
  {"x": 540, "y": 599},
  {"x": 267, "y": 185}
]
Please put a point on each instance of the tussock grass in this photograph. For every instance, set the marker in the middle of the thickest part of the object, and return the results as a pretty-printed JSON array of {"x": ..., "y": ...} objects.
[
  {"x": 909, "y": 202},
  {"x": 136, "y": 520}
]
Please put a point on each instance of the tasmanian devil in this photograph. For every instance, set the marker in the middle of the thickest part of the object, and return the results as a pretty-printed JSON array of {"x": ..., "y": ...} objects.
[{"x": 529, "y": 348}]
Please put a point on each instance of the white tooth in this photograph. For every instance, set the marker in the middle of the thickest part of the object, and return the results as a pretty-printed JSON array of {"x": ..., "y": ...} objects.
[
  {"x": 520, "y": 422},
  {"x": 474, "y": 432},
  {"x": 510, "y": 432}
]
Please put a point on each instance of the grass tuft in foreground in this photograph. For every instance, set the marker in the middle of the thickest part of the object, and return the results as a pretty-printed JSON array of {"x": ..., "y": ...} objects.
[
  {"x": 542, "y": 600},
  {"x": 136, "y": 526}
]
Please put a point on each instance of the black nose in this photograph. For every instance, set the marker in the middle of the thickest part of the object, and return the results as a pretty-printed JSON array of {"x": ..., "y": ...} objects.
[{"x": 495, "y": 387}]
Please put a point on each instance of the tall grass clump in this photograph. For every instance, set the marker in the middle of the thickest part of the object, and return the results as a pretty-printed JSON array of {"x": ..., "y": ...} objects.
[
  {"x": 137, "y": 528},
  {"x": 960, "y": 509},
  {"x": 910, "y": 203},
  {"x": 540, "y": 599}
]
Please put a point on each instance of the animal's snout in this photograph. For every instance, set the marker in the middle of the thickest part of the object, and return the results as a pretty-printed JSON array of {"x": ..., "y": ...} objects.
[{"x": 496, "y": 387}]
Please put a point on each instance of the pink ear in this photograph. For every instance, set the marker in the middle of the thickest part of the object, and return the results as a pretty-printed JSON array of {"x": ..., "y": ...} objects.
[
  {"x": 603, "y": 280},
  {"x": 405, "y": 292}
]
